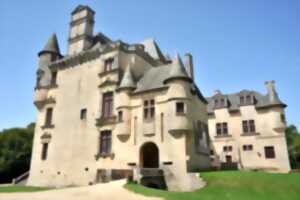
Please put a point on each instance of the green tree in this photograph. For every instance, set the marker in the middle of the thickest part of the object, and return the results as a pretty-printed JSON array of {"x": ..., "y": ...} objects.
[
  {"x": 293, "y": 142},
  {"x": 15, "y": 152}
]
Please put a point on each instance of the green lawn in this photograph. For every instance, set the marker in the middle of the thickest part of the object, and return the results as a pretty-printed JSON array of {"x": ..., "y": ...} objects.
[
  {"x": 17, "y": 188},
  {"x": 235, "y": 185}
]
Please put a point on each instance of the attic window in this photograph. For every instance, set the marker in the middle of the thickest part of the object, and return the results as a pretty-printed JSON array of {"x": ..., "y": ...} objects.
[
  {"x": 246, "y": 100},
  {"x": 220, "y": 103},
  {"x": 108, "y": 64}
]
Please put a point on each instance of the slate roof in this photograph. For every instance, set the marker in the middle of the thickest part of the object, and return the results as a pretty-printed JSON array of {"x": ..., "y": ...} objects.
[
  {"x": 261, "y": 101},
  {"x": 51, "y": 45},
  {"x": 82, "y": 7},
  {"x": 152, "y": 49},
  {"x": 178, "y": 70},
  {"x": 127, "y": 81}
]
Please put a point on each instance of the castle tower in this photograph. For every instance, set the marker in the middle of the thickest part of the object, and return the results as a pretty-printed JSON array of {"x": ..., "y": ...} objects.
[{"x": 81, "y": 29}]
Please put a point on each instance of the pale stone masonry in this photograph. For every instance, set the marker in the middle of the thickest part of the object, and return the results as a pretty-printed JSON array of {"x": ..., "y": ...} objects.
[
  {"x": 247, "y": 129},
  {"x": 109, "y": 109}
]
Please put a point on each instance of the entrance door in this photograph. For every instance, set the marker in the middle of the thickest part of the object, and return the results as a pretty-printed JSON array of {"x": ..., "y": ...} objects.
[
  {"x": 149, "y": 155},
  {"x": 228, "y": 159}
]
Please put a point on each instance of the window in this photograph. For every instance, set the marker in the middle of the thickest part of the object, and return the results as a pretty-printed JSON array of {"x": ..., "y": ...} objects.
[
  {"x": 105, "y": 142},
  {"x": 44, "y": 151},
  {"x": 107, "y": 105},
  {"x": 222, "y": 102},
  {"x": 248, "y": 99},
  {"x": 216, "y": 102},
  {"x": 269, "y": 152},
  {"x": 48, "y": 119},
  {"x": 83, "y": 113},
  {"x": 108, "y": 64},
  {"x": 120, "y": 116},
  {"x": 227, "y": 148},
  {"x": 247, "y": 147},
  {"x": 248, "y": 126},
  {"x": 222, "y": 128},
  {"x": 228, "y": 159},
  {"x": 252, "y": 126},
  {"x": 242, "y": 100},
  {"x": 179, "y": 108},
  {"x": 282, "y": 118},
  {"x": 149, "y": 109},
  {"x": 53, "y": 78}
]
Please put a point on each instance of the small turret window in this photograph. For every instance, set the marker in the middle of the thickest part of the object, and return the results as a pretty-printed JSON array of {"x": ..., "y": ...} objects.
[
  {"x": 180, "y": 108},
  {"x": 120, "y": 116}
]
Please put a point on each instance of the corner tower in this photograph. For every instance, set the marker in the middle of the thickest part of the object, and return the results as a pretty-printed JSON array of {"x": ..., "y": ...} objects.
[{"x": 81, "y": 29}]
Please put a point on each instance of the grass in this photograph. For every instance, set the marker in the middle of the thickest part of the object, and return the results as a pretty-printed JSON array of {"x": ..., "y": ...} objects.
[
  {"x": 234, "y": 185},
  {"x": 17, "y": 188}
]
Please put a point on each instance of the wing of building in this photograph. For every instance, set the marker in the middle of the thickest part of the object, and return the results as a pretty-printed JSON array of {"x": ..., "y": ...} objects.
[
  {"x": 247, "y": 130},
  {"x": 108, "y": 109}
]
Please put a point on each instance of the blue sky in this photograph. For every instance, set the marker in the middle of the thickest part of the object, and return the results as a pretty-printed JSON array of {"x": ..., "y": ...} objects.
[{"x": 235, "y": 44}]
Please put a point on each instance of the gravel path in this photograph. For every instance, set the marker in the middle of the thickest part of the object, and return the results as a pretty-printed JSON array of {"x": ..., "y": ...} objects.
[{"x": 109, "y": 191}]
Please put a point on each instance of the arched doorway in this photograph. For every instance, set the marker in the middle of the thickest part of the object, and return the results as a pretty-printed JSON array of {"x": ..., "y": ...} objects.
[{"x": 149, "y": 155}]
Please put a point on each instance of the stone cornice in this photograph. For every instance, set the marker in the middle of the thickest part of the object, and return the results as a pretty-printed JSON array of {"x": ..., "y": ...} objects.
[{"x": 88, "y": 55}]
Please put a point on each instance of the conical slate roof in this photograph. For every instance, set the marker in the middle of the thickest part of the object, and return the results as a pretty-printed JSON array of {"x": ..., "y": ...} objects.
[
  {"x": 127, "y": 80},
  {"x": 178, "y": 70},
  {"x": 51, "y": 45}
]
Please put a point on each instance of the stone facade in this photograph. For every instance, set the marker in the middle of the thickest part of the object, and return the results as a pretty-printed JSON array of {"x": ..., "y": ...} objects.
[
  {"x": 248, "y": 130},
  {"x": 109, "y": 109}
]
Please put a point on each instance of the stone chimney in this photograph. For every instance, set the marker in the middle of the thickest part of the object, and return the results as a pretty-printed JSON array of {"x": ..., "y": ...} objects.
[
  {"x": 188, "y": 62},
  {"x": 272, "y": 94}
]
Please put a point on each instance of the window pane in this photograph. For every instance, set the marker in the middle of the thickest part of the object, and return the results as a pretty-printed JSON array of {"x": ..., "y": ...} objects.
[
  {"x": 48, "y": 120},
  {"x": 225, "y": 129},
  {"x": 152, "y": 112},
  {"x": 179, "y": 107},
  {"x": 53, "y": 78},
  {"x": 105, "y": 142},
  {"x": 216, "y": 103},
  {"x": 252, "y": 126},
  {"x": 248, "y": 99},
  {"x": 44, "y": 151},
  {"x": 107, "y": 104},
  {"x": 242, "y": 100},
  {"x": 222, "y": 103},
  {"x": 120, "y": 116},
  {"x": 269, "y": 152},
  {"x": 219, "y": 129},
  {"x": 245, "y": 126}
]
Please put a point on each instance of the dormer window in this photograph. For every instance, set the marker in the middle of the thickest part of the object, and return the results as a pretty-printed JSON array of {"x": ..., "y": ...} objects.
[
  {"x": 220, "y": 103},
  {"x": 108, "y": 64},
  {"x": 246, "y": 100}
]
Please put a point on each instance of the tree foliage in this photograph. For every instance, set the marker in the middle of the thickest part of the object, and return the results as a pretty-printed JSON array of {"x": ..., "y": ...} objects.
[
  {"x": 15, "y": 152},
  {"x": 293, "y": 142}
]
